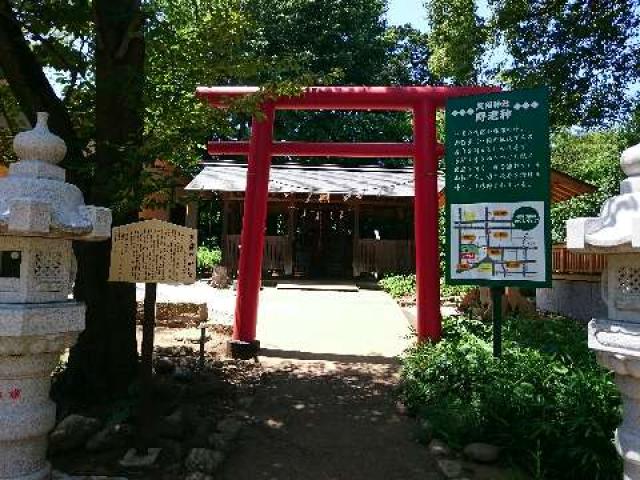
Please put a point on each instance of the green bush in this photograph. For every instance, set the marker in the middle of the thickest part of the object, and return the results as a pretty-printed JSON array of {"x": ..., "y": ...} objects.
[
  {"x": 447, "y": 291},
  {"x": 207, "y": 258},
  {"x": 546, "y": 401},
  {"x": 399, "y": 285}
]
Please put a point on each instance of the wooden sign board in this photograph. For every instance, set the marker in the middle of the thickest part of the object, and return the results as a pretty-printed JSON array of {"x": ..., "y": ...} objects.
[{"x": 153, "y": 251}]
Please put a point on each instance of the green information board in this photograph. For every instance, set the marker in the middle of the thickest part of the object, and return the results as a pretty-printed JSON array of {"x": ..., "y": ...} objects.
[{"x": 498, "y": 184}]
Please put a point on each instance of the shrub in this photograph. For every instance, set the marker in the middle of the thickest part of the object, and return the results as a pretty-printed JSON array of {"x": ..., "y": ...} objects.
[
  {"x": 448, "y": 291},
  {"x": 399, "y": 285},
  {"x": 546, "y": 401},
  {"x": 207, "y": 258}
]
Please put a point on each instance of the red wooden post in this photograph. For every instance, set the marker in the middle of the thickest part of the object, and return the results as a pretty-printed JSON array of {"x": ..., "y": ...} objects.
[
  {"x": 252, "y": 238},
  {"x": 425, "y": 166}
]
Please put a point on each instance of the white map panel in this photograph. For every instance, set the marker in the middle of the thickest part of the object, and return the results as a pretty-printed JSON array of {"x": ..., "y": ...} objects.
[{"x": 498, "y": 241}]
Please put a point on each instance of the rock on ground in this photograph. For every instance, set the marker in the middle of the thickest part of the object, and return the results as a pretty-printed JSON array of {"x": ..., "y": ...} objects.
[
  {"x": 111, "y": 437},
  {"x": 438, "y": 448},
  {"x": 203, "y": 460},
  {"x": 482, "y": 452},
  {"x": 229, "y": 428},
  {"x": 72, "y": 432},
  {"x": 198, "y": 476},
  {"x": 55, "y": 475},
  {"x": 450, "y": 468}
]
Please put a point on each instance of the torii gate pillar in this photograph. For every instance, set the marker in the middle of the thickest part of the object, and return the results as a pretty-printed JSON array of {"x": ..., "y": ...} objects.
[
  {"x": 252, "y": 238},
  {"x": 425, "y": 166}
]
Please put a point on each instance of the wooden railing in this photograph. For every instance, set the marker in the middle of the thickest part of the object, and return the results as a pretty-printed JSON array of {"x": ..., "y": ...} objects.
[
  {"x": 567, "y": 261},
  {"x": 384, "y": 256},
  {"x": 277, "y": 254}
]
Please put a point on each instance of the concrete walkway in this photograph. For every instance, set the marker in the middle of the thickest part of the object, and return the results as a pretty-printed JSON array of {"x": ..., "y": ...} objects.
[{"x": 367, "y": 322}]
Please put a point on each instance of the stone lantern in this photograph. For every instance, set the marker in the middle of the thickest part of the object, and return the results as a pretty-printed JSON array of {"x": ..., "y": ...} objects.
[
  {"x": 616, "y": 339},
  {"x": 40, "y": 216}
]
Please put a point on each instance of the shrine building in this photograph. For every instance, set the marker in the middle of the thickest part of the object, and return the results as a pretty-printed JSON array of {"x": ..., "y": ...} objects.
[{"x": 330, "y": 221}]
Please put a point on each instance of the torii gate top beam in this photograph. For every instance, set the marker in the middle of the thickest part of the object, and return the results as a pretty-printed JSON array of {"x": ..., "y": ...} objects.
[{"x": 347, "y": 98}]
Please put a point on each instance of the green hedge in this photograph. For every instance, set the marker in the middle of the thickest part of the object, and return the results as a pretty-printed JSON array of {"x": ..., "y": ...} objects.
[{"x": 546, "y": 401}]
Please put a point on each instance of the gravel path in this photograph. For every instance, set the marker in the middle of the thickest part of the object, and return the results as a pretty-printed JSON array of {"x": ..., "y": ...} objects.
[{"x": 328, "y": 420}]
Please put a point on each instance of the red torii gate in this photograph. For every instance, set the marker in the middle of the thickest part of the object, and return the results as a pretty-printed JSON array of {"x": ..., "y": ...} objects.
[{"x": 423, "y": 102}]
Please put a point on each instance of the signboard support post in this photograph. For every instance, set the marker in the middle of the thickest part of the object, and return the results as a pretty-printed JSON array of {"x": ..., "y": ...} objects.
[
  {"x": 496, "y": 307},
  {"x": 145, "y": 412}
]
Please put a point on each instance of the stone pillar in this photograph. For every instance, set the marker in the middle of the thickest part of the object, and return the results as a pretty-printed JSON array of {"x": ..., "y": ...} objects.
[
  {"x": 616, "y": 338},
  {"x": 40, "y": 215}
]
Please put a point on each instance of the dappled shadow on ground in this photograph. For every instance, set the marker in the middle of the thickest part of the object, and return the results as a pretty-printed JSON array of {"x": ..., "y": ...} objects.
[
  {"x": 331, "y": 357},
  {"x": 328, "y": 417}
]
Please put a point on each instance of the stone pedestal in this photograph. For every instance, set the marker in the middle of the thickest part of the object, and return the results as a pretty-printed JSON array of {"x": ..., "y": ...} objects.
[
  {"x": 40, "y": 215},
  {"x": 616, "y": 339},
  {"x": 618, "y": 348}
]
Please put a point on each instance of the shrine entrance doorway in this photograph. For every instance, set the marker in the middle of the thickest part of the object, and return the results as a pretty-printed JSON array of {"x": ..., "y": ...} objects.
[{"x": 323, "y": 241}]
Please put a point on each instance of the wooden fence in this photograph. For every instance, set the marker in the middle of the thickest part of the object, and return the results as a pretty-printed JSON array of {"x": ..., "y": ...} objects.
[
  {"x": 277, "y": 254},
  {"x": 384, "y": 256},
  {"x": 568, "y": 262}
]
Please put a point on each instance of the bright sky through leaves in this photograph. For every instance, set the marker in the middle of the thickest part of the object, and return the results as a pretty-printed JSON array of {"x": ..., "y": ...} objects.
[{"x": 407, "y": 11}]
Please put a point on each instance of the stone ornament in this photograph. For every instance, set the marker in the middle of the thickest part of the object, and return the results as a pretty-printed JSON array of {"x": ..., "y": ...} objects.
[
  {"x": 616, "y": 339},
  {"x": 40, "y": 216},
  {"x": 34, "y": 198},
  {"x": 39, "y": 144}
]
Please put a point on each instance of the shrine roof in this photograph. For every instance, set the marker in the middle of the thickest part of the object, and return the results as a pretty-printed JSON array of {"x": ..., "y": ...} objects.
[
  {"x": 365, "y": 181},
  {"x": 354, "y": 181}
]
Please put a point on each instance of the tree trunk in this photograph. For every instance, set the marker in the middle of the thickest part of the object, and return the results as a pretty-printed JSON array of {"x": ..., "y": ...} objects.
[{"x": 105, "y": 359}]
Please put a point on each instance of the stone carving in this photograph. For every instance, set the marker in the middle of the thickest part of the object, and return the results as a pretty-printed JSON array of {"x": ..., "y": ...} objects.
[
  {"x": 616, "y": 339},
  {"x": 40, "y": 215}
]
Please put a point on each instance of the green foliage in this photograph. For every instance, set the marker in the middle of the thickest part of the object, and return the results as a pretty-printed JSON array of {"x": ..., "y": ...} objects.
[
  {"x": 584, "y": 51},
  {"x": 457, "y": 291},
  {"x": 546, "y": 401},
  {"x": 594, "y": 158},
  {"x": 456, "y": 40},
  {"x": 399, "y": 285},
  {"x": 207, "y": 258}
]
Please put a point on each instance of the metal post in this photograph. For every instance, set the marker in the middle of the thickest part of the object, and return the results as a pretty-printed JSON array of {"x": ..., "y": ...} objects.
[
  {"x": 252, "y": 238},
  {"x": 496, "y": 306},
  {"x": 426, "y": 222}
]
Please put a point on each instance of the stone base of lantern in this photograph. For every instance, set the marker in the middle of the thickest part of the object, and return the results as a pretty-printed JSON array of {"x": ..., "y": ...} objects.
[
  {"x": 32, "y": 339},
  {"x": 617, "y": 345}
]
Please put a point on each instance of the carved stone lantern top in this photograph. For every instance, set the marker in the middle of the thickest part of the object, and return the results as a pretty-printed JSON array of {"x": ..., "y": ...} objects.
[
  {"x": 617, "y": 228},
  {"x": 35, "y": 200}
]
